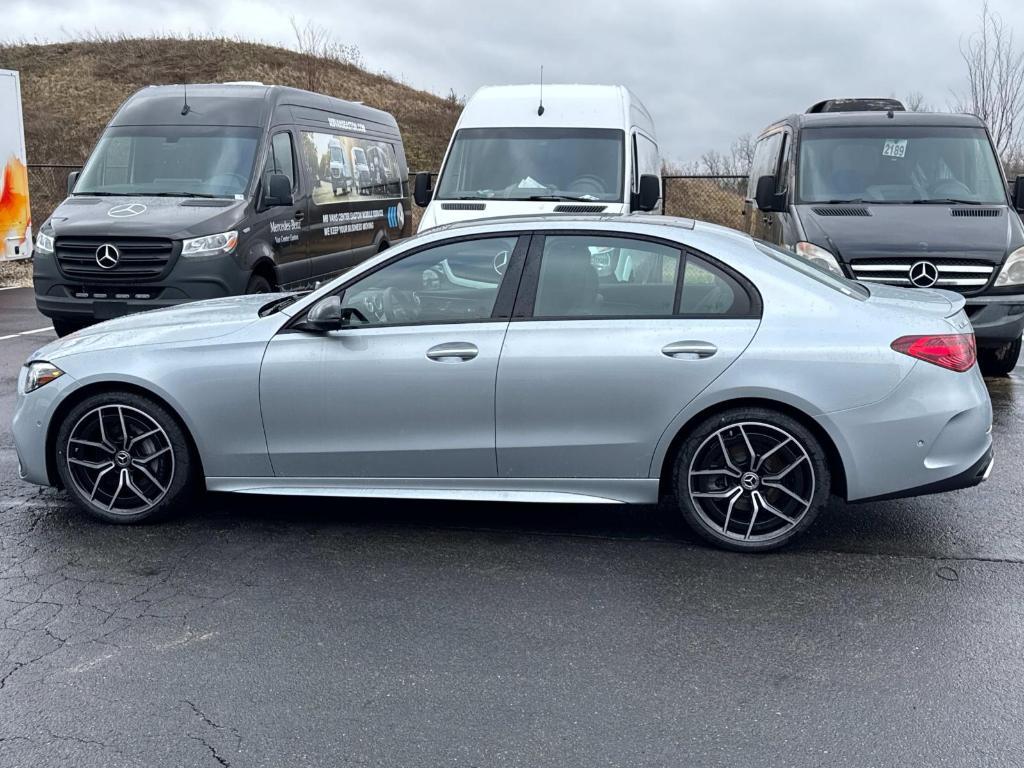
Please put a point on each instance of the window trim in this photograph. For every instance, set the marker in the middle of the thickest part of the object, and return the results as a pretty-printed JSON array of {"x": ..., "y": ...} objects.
[
  {"x": 529, "y": 280},
  {"x": 501, "y": 312}
]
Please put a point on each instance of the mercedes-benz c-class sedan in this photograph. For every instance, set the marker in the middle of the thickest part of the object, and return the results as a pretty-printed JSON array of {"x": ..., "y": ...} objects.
[{"x": 602, "y": 360}]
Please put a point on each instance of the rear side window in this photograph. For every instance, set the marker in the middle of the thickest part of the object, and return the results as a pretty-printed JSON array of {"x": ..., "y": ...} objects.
[{"x": 709, "y": 291}]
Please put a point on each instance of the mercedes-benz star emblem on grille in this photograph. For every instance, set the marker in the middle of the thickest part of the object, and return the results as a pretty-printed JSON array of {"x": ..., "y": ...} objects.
[
  {"x": 924, "y": 274},
  {"x": 107, "y": 256},
  {"x": 128, "y": 209}
]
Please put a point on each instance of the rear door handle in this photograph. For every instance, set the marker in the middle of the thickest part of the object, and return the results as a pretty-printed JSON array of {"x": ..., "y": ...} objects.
[
  {"x": 453, "y": 352},
  {"x": 689, "y": 350}
]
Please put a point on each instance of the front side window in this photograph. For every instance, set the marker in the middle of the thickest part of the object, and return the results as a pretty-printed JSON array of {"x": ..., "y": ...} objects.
[
  {"x": 898, "y": 164},
  {"x": 765, "y": 160},
  {"x": 454, "y": 282},
  {"x": 534, "y": 164},
  {"x": 279, "y": 160},
  {"x": 171, "y": 161},
  {"x": 584, "y": 276}
]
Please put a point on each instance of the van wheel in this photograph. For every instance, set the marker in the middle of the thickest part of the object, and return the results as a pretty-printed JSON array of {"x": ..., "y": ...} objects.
[
  {"x": 123, "y": 458},
  {"x": 258, "y": 284},
  {"x": 751, "y": 479},
  {"x": 63, "y": 326},
  {"x": 999, "y": 361}
]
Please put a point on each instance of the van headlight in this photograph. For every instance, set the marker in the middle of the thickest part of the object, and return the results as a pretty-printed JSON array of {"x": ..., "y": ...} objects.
[
  {"x": 818, "y": 256},
  {"x": 1012, "y": 272},
  {"x": 40, "y": 373},
  {"x": 210, "y": 245},
  {"x": 44, "y": 243}
]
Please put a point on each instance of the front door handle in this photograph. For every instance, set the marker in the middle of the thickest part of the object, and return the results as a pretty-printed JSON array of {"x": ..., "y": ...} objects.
[
  {"x": 453, "y": 352},
  {"x": 689, "y": 350},
  {"x": 299, "y": 216}
]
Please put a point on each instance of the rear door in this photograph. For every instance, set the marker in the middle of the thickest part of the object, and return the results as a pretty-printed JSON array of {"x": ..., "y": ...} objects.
[{"x": 611, "y": 337}]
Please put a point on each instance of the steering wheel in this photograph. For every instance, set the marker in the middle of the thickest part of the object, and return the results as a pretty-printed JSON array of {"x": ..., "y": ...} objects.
[
  {"x": 400, "y": 306},
  {"x": 242, "y": 181},
  {"x": 949, "y": 188},
  {"x": 587, "y": 184}
]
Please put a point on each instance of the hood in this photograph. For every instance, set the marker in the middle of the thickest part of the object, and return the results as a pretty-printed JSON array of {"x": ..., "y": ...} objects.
[
  {"x": 171, "y": 217},
  {"x": 196, "y": 321},
  {"x": 913, "y": 231},
  {"x": 440, "y": 212}
]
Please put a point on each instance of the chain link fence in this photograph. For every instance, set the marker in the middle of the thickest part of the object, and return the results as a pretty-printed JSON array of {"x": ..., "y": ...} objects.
[
  {"x": 718, "y": 199},
  {"x": 47, "y": 186}
]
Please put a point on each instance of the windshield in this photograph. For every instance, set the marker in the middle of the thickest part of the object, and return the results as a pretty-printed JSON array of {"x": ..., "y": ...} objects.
[
  {"x": 898, "y": 164},
  {"x": 534, "y": 163},
  {"x": 185, "y": 161}
]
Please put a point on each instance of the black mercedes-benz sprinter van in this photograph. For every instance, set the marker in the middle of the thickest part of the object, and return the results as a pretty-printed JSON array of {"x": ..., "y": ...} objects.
[
  {"x": 200, "y": 191},
  {"x": 864, "y": 188}
]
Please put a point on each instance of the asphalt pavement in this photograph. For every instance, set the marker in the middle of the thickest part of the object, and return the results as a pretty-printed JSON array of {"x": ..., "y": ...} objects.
[{"x": 286, "y": 632}]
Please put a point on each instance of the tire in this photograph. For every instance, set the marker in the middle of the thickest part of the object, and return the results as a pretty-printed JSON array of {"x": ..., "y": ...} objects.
[
  {"x": 63, "y": 325},
  {"x": 727, "y": 504},
  {"x": 999, "y": 361},
  {"x": 259, "y": 284},
  {"x": 91, "y": 437}
]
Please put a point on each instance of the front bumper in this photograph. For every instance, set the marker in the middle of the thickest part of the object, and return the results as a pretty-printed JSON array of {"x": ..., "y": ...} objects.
[
  {"x": 996, "y": 318},
  {"x": 33, "y": 415},
  {"x": 60, "y": 297}
]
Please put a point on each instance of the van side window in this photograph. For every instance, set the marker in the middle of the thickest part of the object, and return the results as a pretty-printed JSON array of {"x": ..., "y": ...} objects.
[
  {"x": 280, "y": 158},
  {"x": 782, "y": 173},
  {"x": 649, "y": 160},
  {"x": 708, "y": 291},
  {"x": 765, "y": 161}
]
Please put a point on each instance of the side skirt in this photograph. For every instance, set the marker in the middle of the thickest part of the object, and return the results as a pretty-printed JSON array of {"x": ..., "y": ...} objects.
[{"x": 541, "y": 490}]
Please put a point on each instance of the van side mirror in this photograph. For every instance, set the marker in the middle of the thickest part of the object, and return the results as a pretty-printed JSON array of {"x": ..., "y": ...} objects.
[
  {"x": 328, "y": 315},
  {"x": 72, "y": 181},
  {"x": 422, "y": 191},
  {"x": 767, "y": 199},
  {"x": 650, "y": 193},
  {"x": 279, "y": 190},
  {"x": 1018, "y": 194}
]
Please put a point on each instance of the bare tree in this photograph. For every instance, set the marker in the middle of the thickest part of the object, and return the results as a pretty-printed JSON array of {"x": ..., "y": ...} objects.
[
  {"x": 995, "y": 82},
  {"x": 915, "y": 102},
  {"x": 318, "y": 46}
]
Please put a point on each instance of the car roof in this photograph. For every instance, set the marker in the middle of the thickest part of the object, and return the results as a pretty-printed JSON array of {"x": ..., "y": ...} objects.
[{"x": 876, "y": 118}]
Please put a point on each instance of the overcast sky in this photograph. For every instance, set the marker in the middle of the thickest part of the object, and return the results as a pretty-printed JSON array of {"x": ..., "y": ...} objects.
[{"x": 707, "y": 70}]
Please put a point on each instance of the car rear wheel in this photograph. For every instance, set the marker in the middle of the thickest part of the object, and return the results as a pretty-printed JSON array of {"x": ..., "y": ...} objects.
[
  {"x": 123, "y": 458},
  {"x": 751, "y": 479},
  {"x": 999, "y": 361}
]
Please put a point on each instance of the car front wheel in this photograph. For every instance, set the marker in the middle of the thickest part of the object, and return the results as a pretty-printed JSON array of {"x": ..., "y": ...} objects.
[
  {"x": 123, "y": 458},
  {"x": 751, "y": 479}
]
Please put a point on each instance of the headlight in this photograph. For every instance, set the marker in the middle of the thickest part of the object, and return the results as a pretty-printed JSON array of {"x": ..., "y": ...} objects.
[
  {"x": 40, "y": 372},
  {"x": 1012, "y": 272},
  {"x": 210, "y": 245},
  {"x": 819, "y": 257},
  {"x": 44, "y": 243}
]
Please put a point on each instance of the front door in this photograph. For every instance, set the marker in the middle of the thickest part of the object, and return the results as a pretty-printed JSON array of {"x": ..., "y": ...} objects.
[
  {"x": 286, "y": 227},
  {"x": 408, "y": 389},
  {"x": 611, "y": 338}
]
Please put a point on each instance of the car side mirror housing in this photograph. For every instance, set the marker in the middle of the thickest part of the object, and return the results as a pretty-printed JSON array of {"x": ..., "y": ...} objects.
[
  {"x": 279, "y": 191},
  {"x": 328, "y": 315},
  {"x": 766, "y": 198},
  {"x": 1018, "y": 194},
  {"x": 422, "y": 191},
  {"x": 646, "y": 199},
  {"x": 72, "y": 181}
]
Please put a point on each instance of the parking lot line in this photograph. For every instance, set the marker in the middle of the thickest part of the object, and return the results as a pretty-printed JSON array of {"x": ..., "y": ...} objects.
[{"x": 26, "y": 333}]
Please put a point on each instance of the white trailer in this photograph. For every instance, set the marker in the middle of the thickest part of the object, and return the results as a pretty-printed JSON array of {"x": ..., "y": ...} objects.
[{"x": 15, "y": 216}]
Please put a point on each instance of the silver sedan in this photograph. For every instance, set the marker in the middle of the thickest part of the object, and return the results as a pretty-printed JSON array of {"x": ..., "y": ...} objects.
[{"x": 618, "y": 360}]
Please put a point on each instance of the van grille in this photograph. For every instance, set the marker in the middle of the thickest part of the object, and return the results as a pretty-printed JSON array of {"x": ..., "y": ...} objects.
[
  {"x": 990, "y": 213},
  {"x": 140, "y": 258},
  {"x": 961, "y": 275}
]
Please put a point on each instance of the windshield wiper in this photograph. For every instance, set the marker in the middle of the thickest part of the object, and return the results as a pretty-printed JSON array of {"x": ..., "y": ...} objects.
[
  {"x": 944, "y": 201},
  {"x": 183, "y": 194},
  {"x": 570, "y": 198}
]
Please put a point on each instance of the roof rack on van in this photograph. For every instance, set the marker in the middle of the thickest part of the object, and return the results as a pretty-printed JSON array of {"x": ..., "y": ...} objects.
[{"x": 857, "y": 105}]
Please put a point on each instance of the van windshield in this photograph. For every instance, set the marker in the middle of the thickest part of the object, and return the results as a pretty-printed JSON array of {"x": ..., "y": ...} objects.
[
  {"x": 171, "y": 161},
  {"x": 534, "y": 164},
  {"x": 898, "y": 164}
]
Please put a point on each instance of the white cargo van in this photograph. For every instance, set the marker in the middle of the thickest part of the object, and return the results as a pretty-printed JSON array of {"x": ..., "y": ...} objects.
[
  {"x": 15, "y": 219},
  {"x": 524, "y": 149}
]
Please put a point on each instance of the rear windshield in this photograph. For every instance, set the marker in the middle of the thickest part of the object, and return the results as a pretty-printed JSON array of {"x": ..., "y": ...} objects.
[
  {"x": 898, "y": 164},
  {"x": 831, "y": 279}
]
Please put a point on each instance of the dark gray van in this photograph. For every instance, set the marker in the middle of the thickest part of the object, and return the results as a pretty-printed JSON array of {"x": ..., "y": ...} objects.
[
  {"x": 200, "y": 191},
  {"x": 864, "y": 188}
]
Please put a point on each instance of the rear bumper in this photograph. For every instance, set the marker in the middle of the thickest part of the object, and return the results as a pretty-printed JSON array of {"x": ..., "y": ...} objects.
[
  {"x": 997, "y": 319},
  {"x": 974, "y": 475}
]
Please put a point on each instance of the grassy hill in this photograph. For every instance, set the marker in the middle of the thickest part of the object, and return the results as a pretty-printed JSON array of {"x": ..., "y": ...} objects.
[{"x": 70, "y": 90}]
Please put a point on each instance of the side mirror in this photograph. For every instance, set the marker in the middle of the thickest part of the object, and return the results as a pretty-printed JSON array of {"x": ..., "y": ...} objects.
[
  {"x": 422, "y": 192},
  {"x": 1018, "y": 194},
  {"x": 279, "y": 190},
  {"x": 72, "y": 181},
  {"x": 767, "y": 198},
  {"x": 328, "y": 315},
  {"x": 650, "y": 193}
]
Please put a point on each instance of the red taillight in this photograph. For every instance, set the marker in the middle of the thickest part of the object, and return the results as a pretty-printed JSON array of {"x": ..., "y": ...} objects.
[{"x": 955, "y": 351}]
